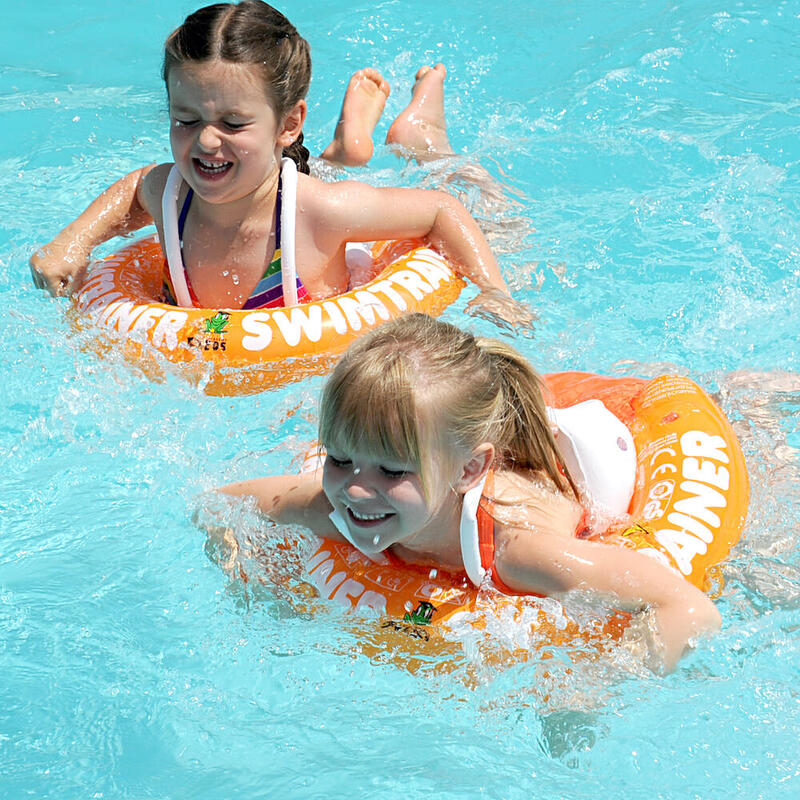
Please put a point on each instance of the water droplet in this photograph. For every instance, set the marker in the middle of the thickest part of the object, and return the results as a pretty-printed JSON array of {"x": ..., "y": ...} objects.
[{"x": 376, "y": 539}]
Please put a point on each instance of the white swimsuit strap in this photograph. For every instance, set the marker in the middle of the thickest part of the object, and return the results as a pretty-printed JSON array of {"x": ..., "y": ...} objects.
[
  {"x": 470, "y": 552},
  {"x": 172, "y": 242},
  {"x": 288, "y": 218}
]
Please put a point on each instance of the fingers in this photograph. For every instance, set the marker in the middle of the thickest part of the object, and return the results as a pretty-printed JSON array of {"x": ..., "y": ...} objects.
[
  {"x": 38, "y": 279},
  {"x": 63, "y": 288},
  {"x": 58, "y": 287},
  {"x": 505, "y": 312}
]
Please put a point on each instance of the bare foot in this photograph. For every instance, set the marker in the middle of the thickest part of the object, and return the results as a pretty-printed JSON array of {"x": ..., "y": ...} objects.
[
  {"x": 421, "y": 127},
  {"x": 363, "y": 104}
]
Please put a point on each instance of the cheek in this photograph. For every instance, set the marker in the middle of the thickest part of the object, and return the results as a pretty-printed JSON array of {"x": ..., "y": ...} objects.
[
  {"x": 412, "y": 499},
  {"x": 179, "y": 139},
  {"x": 330, "y": 484}
]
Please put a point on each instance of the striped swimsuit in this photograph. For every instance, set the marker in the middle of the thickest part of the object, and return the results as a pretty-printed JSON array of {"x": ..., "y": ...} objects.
[{"x": 269, "y": 291}]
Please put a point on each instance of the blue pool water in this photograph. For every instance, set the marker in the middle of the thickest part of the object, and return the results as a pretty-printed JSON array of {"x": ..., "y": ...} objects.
[{"x": 650, "y": 154}]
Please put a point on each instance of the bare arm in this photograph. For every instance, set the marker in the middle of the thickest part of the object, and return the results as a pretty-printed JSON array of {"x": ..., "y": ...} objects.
[
  {"x": 60, "y": 265},
  {"x": 353, "y": 211},
  {"x": 553, "y": 565},
  {"x": 289, "y": 500}
]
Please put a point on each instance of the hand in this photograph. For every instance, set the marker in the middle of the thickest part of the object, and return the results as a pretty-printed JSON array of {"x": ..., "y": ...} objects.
[
  {"x": 60, "y": 269},
  {"x": 504, "y": 311}
]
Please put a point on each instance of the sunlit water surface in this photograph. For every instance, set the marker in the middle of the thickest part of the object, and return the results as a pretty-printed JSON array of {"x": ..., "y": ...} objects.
[{"x": 649, "y": 159}]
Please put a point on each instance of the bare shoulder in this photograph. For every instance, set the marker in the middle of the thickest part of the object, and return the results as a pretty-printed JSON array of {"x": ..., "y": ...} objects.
[
  {"x": 529, "y": 501},
  {"x": 151, "y": 188},
  {"x": 328, "y": 195}
]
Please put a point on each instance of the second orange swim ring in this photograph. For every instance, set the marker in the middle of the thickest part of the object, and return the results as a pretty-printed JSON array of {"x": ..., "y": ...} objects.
[{"x": 686, "y": 502}]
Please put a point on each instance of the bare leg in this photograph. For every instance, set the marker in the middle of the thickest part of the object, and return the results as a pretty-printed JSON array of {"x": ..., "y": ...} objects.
[
  {"x": 421, "y": 127},
  {"x": 363, "y": 104}
]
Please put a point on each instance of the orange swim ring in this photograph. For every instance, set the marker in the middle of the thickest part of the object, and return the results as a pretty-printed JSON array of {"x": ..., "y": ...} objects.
[
  {"x": 243, "y": 352},
  {"x": 688, "y": 508}
]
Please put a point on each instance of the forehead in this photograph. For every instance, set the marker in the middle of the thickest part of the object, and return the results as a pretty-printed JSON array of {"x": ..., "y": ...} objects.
[{"x": 217, "y": 85}]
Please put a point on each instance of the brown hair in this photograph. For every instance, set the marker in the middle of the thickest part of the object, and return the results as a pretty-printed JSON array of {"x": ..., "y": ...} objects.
[
  {"x": 249, "y": 32},
  {"x": 412, "y": 381}
]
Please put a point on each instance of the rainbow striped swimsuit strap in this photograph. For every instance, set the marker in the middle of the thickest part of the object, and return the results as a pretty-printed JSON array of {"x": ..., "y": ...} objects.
[{"x": 269, "y": 290}]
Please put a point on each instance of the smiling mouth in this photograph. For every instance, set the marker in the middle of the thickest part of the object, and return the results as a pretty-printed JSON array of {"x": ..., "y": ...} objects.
[
  {"x": 367, "y": 520},
  {"x": 211, "y": 168}
]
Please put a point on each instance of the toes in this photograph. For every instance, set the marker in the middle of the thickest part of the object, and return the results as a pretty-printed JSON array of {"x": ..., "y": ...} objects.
[{"x": 369, "y": 78}]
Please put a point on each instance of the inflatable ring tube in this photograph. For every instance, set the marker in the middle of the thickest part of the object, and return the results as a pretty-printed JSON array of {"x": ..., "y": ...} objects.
[
  {"x": 243, "y": 352},
  {"x": 688, "y": 509}
]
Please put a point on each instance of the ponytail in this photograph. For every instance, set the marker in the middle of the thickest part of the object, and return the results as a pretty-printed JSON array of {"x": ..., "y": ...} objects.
[
  {"x": 523, "y": 436},
  {"x": 299, "y": 154}
]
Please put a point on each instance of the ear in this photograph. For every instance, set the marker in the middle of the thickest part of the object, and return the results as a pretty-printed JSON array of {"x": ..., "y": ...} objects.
[
  {"x": 292, "y": 124},
  {"x": 476, "y": 467}
]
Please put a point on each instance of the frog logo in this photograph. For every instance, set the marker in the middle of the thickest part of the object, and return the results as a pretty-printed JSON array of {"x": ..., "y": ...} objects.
[
  {"x": 638, "y": 536},
  {"x": 212, "y": 335},
  {"x": 217, "y": 323},
  {"x": 422, "y": 614}
]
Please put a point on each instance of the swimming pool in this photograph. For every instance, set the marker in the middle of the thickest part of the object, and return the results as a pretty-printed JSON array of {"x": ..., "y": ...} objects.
[{"x": 655, "y": 149}]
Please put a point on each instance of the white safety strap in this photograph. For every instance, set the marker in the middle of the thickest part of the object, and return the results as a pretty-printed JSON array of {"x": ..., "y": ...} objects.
[
  {"x": 172, "y": 242},
  {"x": 470, "y": 552},
  {"x": 599, "y": 452},
  {"x": 288, "y": 218}
]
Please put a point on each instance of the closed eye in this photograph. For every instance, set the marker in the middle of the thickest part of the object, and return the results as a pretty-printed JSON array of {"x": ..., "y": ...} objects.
[
  {"x": 339, "y": 462},
  {"x": 183, "y": 123},
  {"x": 394, "y": 474}
]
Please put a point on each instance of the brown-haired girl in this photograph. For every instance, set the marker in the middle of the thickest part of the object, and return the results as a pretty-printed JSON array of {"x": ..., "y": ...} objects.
[
  {"x": 236, "y": 77},
  {"x": 419, "y": 419}
]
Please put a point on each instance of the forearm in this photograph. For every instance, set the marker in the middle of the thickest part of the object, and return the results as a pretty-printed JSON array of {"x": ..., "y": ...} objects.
[
  {"x": 456, "y": 235},
  {"x": 634, "y": 582},
  {"x": 116, "y": 211},
  {"x": 287, "y": 500},
  {"x": 628, "y": 579},
  {"x": 689, "y": 615}
]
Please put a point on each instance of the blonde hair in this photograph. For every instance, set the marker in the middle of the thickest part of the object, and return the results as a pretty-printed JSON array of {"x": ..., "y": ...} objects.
[{"x": 416, "y": 382}]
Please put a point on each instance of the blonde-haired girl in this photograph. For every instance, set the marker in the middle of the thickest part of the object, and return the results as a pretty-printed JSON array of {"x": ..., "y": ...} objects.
[{"x": 417, "y": 415}]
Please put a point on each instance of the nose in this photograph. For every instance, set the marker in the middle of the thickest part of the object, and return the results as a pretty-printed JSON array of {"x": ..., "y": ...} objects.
[
  {"x": 208, "y": 138},
  {"x": 358, "y": 489}
]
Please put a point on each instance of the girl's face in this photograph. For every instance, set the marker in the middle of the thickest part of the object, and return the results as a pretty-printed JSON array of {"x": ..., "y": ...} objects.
[
  {"x": 224, "y": 131},
  {"x": 381, "y": 500}
]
